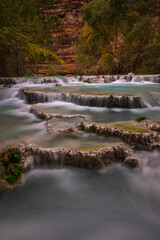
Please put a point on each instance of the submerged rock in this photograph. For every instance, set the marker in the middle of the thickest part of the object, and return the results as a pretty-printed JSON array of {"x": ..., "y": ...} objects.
[
  {"x": 48, "y": 116},
  {"x": 66, "y": 125}
]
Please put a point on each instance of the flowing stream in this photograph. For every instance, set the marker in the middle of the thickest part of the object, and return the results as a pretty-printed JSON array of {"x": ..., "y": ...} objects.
[{"x": 71, "y": 203}]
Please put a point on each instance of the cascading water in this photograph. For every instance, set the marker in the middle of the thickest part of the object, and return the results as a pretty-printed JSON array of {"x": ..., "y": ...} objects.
[
  {"x": 138, "y": 79},
  {"x": 115, "y": 203},
  {"x": 85, "y": 100},
  {"x": 48, "y": 157}
]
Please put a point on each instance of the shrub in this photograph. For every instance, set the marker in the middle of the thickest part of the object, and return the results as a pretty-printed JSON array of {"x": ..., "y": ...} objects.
[
  {"x": 139, "y": 119},
  {"x": 11, "y": 168}
]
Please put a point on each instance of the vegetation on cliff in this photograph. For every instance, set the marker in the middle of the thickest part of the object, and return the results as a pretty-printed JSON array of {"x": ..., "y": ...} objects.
[
  {"x": 120, "y": 36},
  {"x": 25, "y": 35}
]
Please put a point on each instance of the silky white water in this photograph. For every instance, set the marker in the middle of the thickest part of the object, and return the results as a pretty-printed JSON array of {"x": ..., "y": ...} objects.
[{"x": 69, "y": 203}]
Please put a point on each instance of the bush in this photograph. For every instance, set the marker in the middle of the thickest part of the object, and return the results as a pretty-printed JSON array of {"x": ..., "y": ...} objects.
[
  {"x": 10, "y": 165},
  {"x": 139, "y": 119},
  {"x": 119, "y": 36}
]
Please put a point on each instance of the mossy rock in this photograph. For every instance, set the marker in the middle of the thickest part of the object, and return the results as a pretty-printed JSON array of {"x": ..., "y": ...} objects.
[
  {"x": 130, "y": 126},
  {"x": 87, "y": 81},
  {"x": 90, "y": 148},
  {"x": 11, "y": 168}
]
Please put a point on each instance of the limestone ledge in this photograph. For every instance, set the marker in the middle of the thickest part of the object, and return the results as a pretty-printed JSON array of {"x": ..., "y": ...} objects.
[
  {"x": 98, "y": 159},
  {"x": 138, "y": 141},
  {"x": 47, "y": 116},
  {"x": 108, "y": 101}
]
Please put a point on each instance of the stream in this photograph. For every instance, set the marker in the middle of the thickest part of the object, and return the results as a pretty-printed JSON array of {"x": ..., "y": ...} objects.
[{"x": 78, "y": 204}]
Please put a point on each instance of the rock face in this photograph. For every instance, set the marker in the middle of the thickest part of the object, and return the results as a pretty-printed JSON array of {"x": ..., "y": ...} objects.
[
  {"x": 90, "y": 160},
  {"x": 84, "y": 100},
  {"x": 64, "y": 41}
]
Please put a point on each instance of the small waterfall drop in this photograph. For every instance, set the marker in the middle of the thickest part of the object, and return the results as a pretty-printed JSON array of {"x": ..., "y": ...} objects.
[{"x": 53, "y": 157}]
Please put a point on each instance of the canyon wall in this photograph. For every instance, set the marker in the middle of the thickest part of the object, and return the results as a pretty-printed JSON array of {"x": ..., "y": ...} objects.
[{"x": 65, "y": 40}]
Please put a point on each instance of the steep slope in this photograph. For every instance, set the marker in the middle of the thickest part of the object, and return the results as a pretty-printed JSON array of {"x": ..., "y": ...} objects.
[{"x": 64, "y": 40}]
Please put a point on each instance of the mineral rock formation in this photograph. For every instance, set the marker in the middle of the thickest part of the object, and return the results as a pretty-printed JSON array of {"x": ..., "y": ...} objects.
[
  {"x": 139, "y": 141},
  {"x": 48, "y": 116},
  {"x": 90, "y": 160},
  {"x": 84, "y": 100}
]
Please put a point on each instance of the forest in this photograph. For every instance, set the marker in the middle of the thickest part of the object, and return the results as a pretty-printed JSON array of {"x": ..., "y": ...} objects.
[
  {"x": 25, "y": 35},
  {"x": 120, "y": 36}
]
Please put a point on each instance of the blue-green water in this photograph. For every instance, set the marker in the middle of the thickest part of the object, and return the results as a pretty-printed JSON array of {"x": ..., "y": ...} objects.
[
  {"x": 68, "y": 203},
  {"x": 148, "y": 92}
]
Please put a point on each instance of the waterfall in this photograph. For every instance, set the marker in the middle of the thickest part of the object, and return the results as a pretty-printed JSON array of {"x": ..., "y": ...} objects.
[
  {"x": 138, "y": 78},
  {"x": 51, "y": 80},
  {"x": 120, "y": 78},
  {"x": 12, "y": 81},
  {"x": 53, "y": 157},
  {"x": 90, "y": 160},
  {"x": 85, "y": 100}
]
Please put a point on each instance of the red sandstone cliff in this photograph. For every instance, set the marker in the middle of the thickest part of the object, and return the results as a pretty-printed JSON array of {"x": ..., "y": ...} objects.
[{"x": 64, "y": 41}]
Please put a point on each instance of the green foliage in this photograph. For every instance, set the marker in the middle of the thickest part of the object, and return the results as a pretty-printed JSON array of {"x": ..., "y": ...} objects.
[
  {"x": 11, "y": 155},
  {"x": 53, "y": 22},
  {"x": 152, "y": 61},
  {"x": 38, "y": 54},
  {"x": 119, "y": 36},
  {"x": 24, "y": 33},
  {"x": 139, "y": 119},
  {"x": 10, "y": 167}
]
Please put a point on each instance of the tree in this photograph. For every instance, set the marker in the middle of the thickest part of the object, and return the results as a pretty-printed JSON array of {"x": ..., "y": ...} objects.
[
  {"x": 117, "y": 34},
  {"x": 23, "y": 36}
]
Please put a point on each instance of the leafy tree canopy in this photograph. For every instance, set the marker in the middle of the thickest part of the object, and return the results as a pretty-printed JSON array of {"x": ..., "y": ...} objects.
[
  {"x": 24, "y": 35},
  {"x": 120, "y": 36}
]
